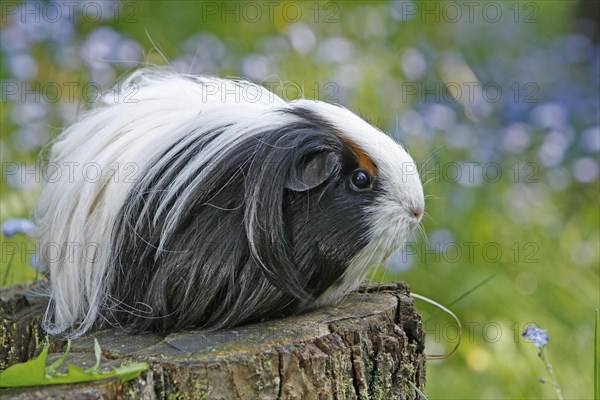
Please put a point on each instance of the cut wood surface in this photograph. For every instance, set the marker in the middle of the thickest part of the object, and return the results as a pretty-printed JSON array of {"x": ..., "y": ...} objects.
[{"x": 369, "y": 347}]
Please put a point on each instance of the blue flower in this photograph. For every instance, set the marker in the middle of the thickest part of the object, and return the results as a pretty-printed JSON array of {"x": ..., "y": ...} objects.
[
  {"x": 539, "y": 337},
  {"x": 12, "y": 226},
  {"x": 34, "y": 262}
]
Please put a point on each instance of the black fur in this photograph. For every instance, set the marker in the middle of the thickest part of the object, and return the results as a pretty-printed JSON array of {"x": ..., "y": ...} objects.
[{"x": 207, "y": 276}]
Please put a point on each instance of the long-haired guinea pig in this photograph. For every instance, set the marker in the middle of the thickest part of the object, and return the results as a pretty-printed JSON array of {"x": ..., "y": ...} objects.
[{"x": 184, "y": 202}]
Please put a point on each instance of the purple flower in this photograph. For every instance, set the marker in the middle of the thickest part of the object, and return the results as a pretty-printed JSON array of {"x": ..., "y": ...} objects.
[
  {"x": 539, "y": 337},
  {"x": 12, "y": 226}
]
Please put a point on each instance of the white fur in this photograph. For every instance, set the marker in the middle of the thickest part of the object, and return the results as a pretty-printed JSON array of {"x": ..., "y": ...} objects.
[{"x": 130, "y": 129}]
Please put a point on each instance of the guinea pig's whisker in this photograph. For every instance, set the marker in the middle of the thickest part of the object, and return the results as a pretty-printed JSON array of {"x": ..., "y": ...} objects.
[
  {"x": 385, "y": 265},
  {"x": 429, "y": 180},
  {"x": 429, "y": 158},
  {"x": 427, "y": 215},
  {"x": 423, "y": 233},
  {"x": 423, "y": 171},
  {"x": 369, "y": 262}
]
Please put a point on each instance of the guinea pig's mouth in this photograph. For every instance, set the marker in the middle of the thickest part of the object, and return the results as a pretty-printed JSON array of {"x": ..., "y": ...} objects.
[{"x": 404, "y": 229}]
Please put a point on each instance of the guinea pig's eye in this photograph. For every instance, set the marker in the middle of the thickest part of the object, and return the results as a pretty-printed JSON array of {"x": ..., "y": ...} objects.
[{"x": 360, "y": 179}]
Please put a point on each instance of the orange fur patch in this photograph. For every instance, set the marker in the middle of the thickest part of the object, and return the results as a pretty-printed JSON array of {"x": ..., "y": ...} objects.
[{"x": 364, "y": 161}]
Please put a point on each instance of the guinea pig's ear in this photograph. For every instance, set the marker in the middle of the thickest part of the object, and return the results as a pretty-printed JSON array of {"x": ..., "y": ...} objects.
[{"x": 310, "y": 172}]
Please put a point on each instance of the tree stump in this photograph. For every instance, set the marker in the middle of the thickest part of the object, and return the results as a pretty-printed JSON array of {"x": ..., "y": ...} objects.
[{"x": 369, "y": 347}]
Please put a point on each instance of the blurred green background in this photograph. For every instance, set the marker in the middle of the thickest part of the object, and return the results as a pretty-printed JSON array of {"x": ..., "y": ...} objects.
[{"x": 498, "y": 102}]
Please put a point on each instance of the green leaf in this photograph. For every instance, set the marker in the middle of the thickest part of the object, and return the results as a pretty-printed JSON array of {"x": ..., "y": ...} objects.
[
  {"x": 28, "y": 373},
  {"x": 98, "y": 353},
  {"x": 52, "y": 370},
  {"x": 35, "y": 373},
  {"x": 131, "y": 371},
  {"x": 77, "y": 375}
]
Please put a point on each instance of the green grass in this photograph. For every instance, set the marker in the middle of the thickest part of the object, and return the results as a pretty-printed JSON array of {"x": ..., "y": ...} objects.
[{"x": 597, "y": 357}]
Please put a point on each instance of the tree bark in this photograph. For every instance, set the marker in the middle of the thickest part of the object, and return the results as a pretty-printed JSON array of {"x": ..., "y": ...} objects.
[{"x": 369, "y": 347}]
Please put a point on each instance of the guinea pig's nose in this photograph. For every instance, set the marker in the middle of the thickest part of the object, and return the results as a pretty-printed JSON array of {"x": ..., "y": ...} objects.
[{"x": 416, "y": 213}]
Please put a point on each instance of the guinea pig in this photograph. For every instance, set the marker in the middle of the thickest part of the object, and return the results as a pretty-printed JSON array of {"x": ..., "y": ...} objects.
[{"x": 204, "y": 203}]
